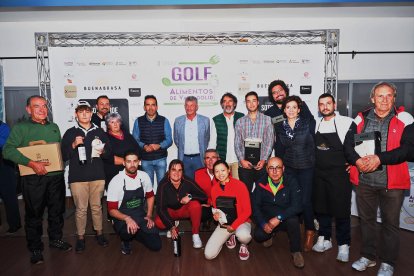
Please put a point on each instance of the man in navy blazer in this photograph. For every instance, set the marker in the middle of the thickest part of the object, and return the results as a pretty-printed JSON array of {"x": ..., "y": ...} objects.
[{"x": 191, "y": 136}]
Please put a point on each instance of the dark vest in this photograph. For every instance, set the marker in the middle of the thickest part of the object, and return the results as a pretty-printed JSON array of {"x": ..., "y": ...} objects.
[
  {"x": 152, "y": 133},
  {"x": 221, "y": 128}
]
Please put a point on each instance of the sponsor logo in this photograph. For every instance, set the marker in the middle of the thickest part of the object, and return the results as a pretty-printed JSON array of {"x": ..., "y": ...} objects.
[
  {"x": 70, "y": 91},
  {"x": 306, "y": 75},
  {"x": 134, "y": 92},
  {"x": 107, "y": 63},
  {"x": 133, "y": 63},
  {"x": 120, "y": 63},
  {"x": 293, "y": 61},
  {"x": 81, "y": 63},
  {"x": 102, "y": 88},
  {"x": 68, "y": 63},
  {"x": 305, "y": 61},
  {"x": 305, "y": 89},
  {"x": 267, "y": 61},
  {"x": 244, "y": 61},
  {"x": 94, "y": 63},
  {"x": 134, "y": 76}
]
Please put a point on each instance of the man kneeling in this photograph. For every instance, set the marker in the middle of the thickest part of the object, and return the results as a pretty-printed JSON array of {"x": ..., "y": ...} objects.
[
  {"x": 127, "y": 193},
  {"x": 276, "y": 203}
]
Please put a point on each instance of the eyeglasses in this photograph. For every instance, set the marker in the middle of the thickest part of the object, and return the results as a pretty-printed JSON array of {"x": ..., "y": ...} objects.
[{"x": 277, "y": 168}]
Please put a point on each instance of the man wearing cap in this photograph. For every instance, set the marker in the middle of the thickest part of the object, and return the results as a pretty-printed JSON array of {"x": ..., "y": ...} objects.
[
  {"x": 87, "y": 179},
  {"x": 42, "y": 189},
  {"x": 102, "y": 109},
  {"x": 191, "y": 136}
]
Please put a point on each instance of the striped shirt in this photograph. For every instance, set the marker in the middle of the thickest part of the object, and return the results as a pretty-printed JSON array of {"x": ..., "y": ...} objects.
[{"x": 261, "y": 128}]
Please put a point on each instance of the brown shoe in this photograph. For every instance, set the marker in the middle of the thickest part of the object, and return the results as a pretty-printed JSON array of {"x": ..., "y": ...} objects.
[
  {"x": 309, "y": 238},
  {"x": 268, "y": 243},
  {"x": 298, "y": 260}
]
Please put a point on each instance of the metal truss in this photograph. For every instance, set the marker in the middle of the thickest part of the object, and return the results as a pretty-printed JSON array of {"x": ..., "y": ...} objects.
[{"x": 329, "y": 38}]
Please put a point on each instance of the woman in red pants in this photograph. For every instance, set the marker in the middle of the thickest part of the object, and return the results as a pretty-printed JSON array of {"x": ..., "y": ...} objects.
[{"x": 179, "y": 198}]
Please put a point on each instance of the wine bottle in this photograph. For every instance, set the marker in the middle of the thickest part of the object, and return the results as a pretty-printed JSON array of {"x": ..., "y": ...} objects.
[
  {"x": 177, "y": 246},
  {"x": 82, "y": 154}
]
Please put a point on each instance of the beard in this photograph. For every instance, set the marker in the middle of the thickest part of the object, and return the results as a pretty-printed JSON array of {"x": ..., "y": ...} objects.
[
  {"x": 228, "y": 109},
  {"x": 328, "y": 114},
  {"x": 131, "y": 170}
]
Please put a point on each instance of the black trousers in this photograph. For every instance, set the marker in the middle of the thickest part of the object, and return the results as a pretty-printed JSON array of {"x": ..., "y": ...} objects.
[
  {"x": 342, "y": 228},
  {"x": 150, "y": 238},
  {"x": 40, "y": 192},
  {"x": 8, "y": 193},
  {"x": 290, "y": 225},
  {"x": 250, "y": 176}
]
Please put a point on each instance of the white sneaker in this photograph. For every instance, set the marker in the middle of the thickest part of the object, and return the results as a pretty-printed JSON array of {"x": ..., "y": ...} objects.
[
  {"x": 244, "y": 253},
  {"x": 343, "y": 253},
  {"x": 362, "y": 264},
  {"x": 385, "y": 270},
  {"x": 197, "y": 243},
  {"x": 322, "y": 245}
]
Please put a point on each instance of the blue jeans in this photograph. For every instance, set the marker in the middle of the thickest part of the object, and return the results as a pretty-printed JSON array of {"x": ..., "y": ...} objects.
[
  {"x": 191, "y": 164},
  {"x": 159, "y": 166}
]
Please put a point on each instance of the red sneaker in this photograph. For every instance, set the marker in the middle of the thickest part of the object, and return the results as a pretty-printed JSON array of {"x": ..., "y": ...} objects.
[
  {"x": 231, "y": 242},
  {"x": 244, "y": 252}
]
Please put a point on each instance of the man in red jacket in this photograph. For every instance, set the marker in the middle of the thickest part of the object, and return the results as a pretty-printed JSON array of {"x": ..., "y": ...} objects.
[{"x": 384, "y": 187}]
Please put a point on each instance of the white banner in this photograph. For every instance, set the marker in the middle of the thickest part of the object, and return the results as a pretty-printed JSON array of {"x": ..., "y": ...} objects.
[{"x": 171, "y": 73}]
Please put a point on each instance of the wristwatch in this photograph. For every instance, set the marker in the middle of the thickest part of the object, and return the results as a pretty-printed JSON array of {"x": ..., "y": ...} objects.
[
  {"x": 279, "y": 217},
  {"x": 190, "y": 196}
]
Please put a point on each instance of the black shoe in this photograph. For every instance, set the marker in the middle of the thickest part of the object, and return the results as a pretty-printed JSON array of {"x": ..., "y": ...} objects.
[
  {"x": 102, "y": 241},
  {"x": 59, "y": 244},
  {"x": 36, "y": 257},
  {"x": 126, "y": 248},
  {"x": 80, "y": 246},
  {"x": 13, "y": 229}
]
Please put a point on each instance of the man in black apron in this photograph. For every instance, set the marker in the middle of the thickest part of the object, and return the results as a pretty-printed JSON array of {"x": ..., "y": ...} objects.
[
  {"x": 332, "y": 189},
  {"x": 127, "y": 193}
]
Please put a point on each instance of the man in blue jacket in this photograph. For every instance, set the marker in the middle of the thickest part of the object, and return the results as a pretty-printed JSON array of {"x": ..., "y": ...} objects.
[
  {"x": 191, "y": 136},
  {"x": 276, "y": 203}
]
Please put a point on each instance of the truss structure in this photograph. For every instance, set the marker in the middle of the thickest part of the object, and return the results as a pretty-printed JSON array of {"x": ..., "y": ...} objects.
[{"x": 329, "y": 38}]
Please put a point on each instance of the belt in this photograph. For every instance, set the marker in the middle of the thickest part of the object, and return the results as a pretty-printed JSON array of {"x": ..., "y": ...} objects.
[{"x": 192, "y": 155}]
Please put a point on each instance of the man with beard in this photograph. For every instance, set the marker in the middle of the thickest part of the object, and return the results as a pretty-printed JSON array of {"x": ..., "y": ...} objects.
[
  {"x": 258, "y": 127},
  {"x": 332, "y": 188},
  {"x": 127, "y": 193},
  {"x": 222, "y": 132},
  {"x": 102, "y": 109},
  {"x": 278, "y": 91}
]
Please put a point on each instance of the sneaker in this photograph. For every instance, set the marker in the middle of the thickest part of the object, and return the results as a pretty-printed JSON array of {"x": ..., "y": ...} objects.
[
  {"x": 268, "y": 243},
  {"x": 59, "y": 244},
  {"x": 298, "y": 260},
  {"x": 80, "y": 246},
  {"x": 343, "y": 253},
  {"x": 322, "y": 245},
  {"x": 385, "y": 270},
  {"x": 36, "y": 257},
  {"x": 244, "y": 252},
  {"x": 102, "y": 241},
  {"x": 197, "y": 243},
  {"x": 231, "y": 242},
  {"x": 362, "y": 264},
  {"x": 316, "y": 224},
  {"x": 126, "y": 248}
]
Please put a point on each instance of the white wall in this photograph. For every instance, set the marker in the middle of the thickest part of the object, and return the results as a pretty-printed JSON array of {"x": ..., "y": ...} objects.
[{"x": 361, "y": 29}]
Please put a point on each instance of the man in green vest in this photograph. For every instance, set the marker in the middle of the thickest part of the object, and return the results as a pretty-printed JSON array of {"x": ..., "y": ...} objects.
[{"x": 222, "y": 132}]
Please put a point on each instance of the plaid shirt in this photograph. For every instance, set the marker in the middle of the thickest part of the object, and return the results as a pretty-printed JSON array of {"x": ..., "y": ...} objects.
[{"x": 262, "y": 129}]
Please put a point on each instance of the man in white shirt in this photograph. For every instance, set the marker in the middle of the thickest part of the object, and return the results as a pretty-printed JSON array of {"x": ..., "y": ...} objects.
[
  {"x": 222, "y": 132},
  {"x": 127, "y": 193}
]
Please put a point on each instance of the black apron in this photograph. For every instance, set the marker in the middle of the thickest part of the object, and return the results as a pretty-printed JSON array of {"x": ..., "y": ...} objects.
[
  {"x": 332, "y": 190},
  {"x": 132, "y": 205}
]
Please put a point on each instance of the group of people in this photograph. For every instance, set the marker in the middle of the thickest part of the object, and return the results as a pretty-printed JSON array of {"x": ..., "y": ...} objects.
[{"x": 225, "y": 173}]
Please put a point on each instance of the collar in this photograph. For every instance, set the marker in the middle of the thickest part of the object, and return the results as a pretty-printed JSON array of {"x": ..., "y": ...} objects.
[
  {"x": 149, "y": 119},
  {"x": 33, "y": 122}
]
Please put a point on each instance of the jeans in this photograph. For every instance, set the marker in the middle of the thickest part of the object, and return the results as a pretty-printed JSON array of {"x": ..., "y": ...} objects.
[
  {"x": 389, "y": 201},
  {"x": 159, "y": 166},
  {"x": 191, "y": 164},
  {"x": 305, "y": 180},
  {"x": 290, "y": 225}
]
